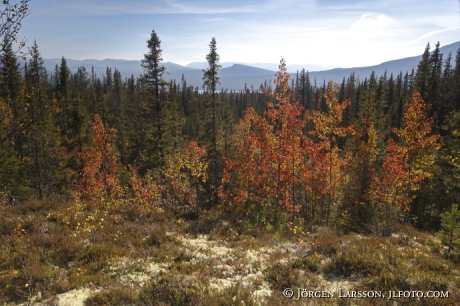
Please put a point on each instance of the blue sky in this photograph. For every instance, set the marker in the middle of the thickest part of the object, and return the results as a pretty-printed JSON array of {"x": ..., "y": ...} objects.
[{"x": 330, "y": 33}]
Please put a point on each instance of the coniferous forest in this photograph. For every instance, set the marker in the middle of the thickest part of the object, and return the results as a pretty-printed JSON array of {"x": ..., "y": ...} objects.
[{"x": 101, "y": 173}]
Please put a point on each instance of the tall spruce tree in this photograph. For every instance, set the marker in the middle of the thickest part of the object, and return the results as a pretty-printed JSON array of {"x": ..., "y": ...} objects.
[
  {"x": 13, "y": 115},
  {"x": 64, "y": 75},
  {"x": 423, "y": 74},
  {"x": 153, "y": 80},
  {"x": 210, "y": 82},
  {"x": 11, "y": 84},
  {"x": 41, "y": 142},
  {"x": 456, "y": 81},
  {"x": 14, "y": 123},
  {"x": 432, "y": 100}
]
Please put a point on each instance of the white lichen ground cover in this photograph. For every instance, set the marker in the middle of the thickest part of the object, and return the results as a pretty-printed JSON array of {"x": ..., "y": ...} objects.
[
  {"x": 243, "y": 262},
  {"x": 229, "y": 263}
]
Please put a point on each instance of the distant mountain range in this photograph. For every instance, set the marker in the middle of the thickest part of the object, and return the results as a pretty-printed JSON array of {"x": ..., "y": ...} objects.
[
  {"x": 234, "y": 76},
  {"x": 266, "y": 66}
]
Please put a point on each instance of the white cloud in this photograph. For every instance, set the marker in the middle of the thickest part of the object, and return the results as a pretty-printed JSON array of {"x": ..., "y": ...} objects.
[
  {"x": 372, "y": 22},
  {"x": 429, "y": 34}
]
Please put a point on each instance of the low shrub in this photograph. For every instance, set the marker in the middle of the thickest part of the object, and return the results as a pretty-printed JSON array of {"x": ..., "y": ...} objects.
[
  {"x": 113, "y": 296},
  {"x": 173, "y": 289}
]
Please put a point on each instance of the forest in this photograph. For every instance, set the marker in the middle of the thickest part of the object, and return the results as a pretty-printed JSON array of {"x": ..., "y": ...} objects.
[
  {"x": 359, "y": 155},
  {"x": 367, "y": 156}
]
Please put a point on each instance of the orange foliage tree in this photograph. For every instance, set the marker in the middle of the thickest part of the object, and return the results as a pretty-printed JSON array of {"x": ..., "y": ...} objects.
[
  {"x": 410, "y": 161},
  {"x": 277, "y": 165},
  {"x": 98, "y": 188},
  {"x": 99, "y": 177},
  {"x": 176, "y": 187},
  {"x": 326, "y": 165},
  {"x": 267, "y": 167}
]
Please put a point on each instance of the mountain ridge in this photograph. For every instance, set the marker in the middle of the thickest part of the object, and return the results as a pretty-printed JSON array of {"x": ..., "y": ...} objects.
[{"x": 236, "y": 76}]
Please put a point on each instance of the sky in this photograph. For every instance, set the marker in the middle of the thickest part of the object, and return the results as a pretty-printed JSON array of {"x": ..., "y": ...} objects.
[{"x": 329, "y": 33}]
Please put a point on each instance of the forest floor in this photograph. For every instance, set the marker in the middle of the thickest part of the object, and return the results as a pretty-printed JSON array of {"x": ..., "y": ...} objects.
[{"x": 162, "y": 260}]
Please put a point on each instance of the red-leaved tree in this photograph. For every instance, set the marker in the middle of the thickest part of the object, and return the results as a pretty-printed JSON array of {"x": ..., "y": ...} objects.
[
  {"x": 410, "y": 161},
  {"x": 267, "y": 170}
]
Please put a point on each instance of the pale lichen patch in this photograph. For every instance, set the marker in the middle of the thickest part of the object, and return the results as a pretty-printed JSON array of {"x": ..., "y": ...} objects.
[{"x": 74, "y": 297}]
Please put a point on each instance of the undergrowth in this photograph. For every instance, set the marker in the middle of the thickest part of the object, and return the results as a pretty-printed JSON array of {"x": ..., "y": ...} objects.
[{"x": 158, "y": 259}]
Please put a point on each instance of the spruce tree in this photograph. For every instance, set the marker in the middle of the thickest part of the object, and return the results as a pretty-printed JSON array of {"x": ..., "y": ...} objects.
[
  {"x": 42, "y": 140},
  {"x": 13, "y": 116},
  {"x": 456, "y": 81},
  {"x": 64, "y": 75},
  {"x": 10, "y": 77},
  {"x": 432, "y": 100},
  {"x": 450, "y": 232},
  {"x": 446, "y": 97},
  {"x": 14, "y": 123},
  {"x": 11, "y": 84},
  {"x": 210, "y": 82},
  {"x": 423, "y": 74},
  {"x": 153, "y": 81}
]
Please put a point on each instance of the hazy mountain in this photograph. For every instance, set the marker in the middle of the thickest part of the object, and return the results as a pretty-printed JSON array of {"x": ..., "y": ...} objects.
[
  {"x": 266, "y": 66},
  {"x": 238, "y": 70},
  {"x": 234, "y": 76},
  {"x": 396, "y": 66},
  {"x": 204, "y": 65},
  {"x": 295, "y": 67},
  {"x": 125, "y": 67}
]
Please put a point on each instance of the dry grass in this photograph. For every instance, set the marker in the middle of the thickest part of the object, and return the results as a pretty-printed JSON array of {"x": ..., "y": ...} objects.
[{"x": 157, "y": 259}]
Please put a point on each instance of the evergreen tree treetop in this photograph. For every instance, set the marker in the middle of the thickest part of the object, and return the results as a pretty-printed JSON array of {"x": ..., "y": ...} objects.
[
  {"x": 210, "y": 77},
  {"x": 151, "y": 63}
]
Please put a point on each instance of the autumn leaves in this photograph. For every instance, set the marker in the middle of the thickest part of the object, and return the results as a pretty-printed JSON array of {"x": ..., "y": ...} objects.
[{"x": 280, "y": 164}]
